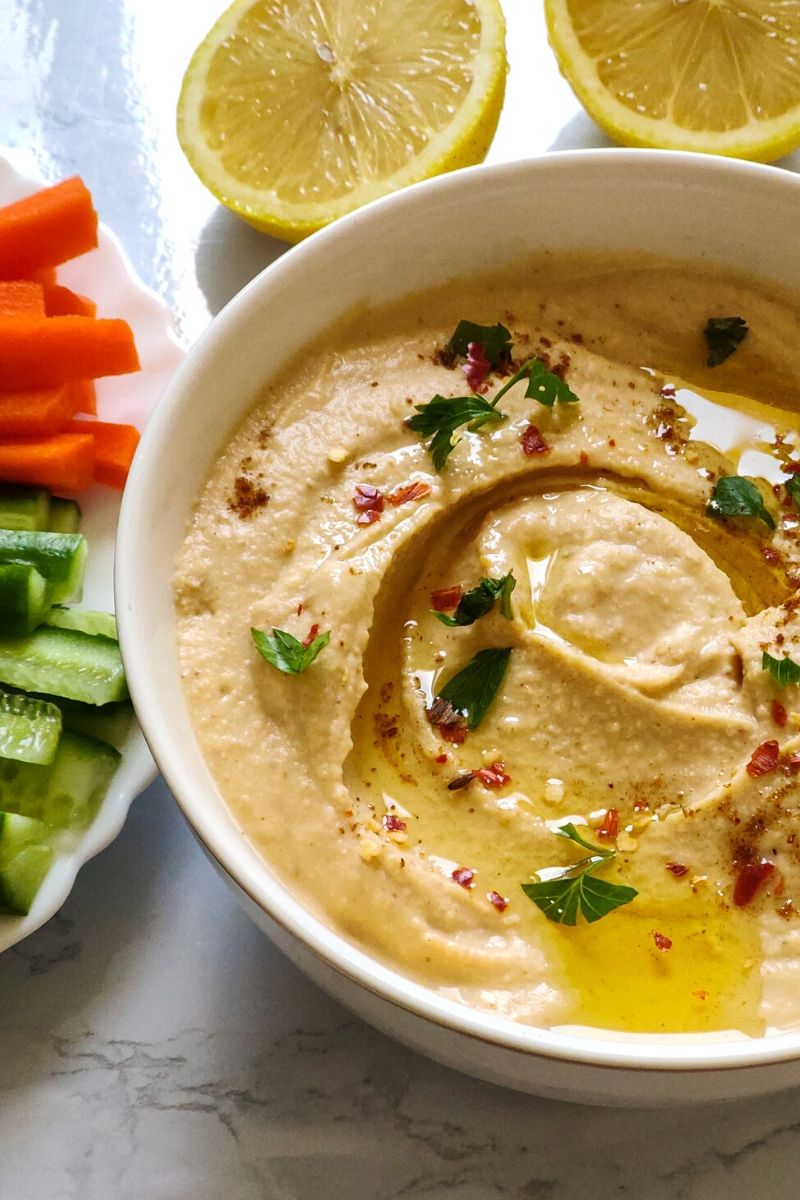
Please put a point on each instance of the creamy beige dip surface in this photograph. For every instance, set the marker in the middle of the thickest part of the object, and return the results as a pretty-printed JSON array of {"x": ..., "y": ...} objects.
[{"x": 634, "y": 697}]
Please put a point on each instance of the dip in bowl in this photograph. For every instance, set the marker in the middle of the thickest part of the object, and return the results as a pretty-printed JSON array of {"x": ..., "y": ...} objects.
[{"x": 467, "y": 650}]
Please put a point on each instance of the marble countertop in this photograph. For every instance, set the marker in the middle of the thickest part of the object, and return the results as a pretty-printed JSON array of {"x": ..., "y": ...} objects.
[{"x": 155, "y": 1045}]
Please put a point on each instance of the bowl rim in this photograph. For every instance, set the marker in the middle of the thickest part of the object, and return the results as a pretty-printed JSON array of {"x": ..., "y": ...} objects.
[{"x": 691, "y": 1053}]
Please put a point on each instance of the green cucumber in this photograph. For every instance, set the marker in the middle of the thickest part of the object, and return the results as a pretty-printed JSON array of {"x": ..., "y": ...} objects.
[
  {"x": 65, "y": 794},
  {"x": 83, "y": 620},
  {"x": 21, "y": 877},
  {"x": 59, "y": 557},
  {"x": 24, "y": 599},
  {"x": 64, "y": 662},
  {"x": 29, "y": 729},
  {"x": 17, "y": 831},
  {"x": 110, "y": 722},
  {"x": 24, "y": 508},
  {"x": 65, "y": 516}
]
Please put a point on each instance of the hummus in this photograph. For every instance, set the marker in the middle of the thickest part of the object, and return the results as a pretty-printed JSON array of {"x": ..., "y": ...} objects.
[{"x": 634, "y": 703}]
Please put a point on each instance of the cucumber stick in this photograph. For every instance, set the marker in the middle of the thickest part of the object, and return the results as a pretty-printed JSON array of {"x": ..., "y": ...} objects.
[
  {"x": 24, "y": 861},
  {"x": 65, "y": 516},
  {"x": 65, "y": 794},
  {"x": 83, "y": 620},
  {"x": 29, "y": 729},
  {"x": 64, "y": 662},
  {"x": 24, "y": 599},
  {"x": 22, "y": 876},
  {"x": 24, "y": 508},
  {"x": 59, "y": 557}
]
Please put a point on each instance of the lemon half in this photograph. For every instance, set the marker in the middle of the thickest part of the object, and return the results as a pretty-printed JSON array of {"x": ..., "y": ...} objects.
[
  {"x": 720, "y": 76},
  {"x": 293, "y": 112}
]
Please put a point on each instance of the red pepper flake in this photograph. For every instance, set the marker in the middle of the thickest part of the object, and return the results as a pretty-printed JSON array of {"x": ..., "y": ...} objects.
[
  {"x": 779, "y": 887},
  {"x": 793, "y": 763},
  {"x": 446, "y": 598},
  {"x": 677, "y": 869},
  {"x": 778, "y": 713},
  {"x": 312, "y": 633},
  {"x": 494, "y": 776},
  {"x": 701, "y": 995},
  {"x": 583, "y": 458},
  {"x": 461, "y": 781},
  {"x": 464, "y": 876},
  {"x": 770, "y": 554},
  {"x": 369, "y": 503},
  {"x": 477, "y": 367},
  {"x": 790, "y": 467},
  {"x": 662, "y": 941},
  {"x": 500, "y": 902},
  {"x": 610, "y": 827},
  {"x": 392, "y": 823},
  {"x": 300, "y": 609},
  {"x": 764, "y": 759},
  {"x": 441, "y": 758},
  {"x": 668, "y": 391},
  {"x": 749, "y": 880},
  {"x": 533, "y": 442},
  {"x": 411, "y": 491},
  {"x": 454, "y": 734}
]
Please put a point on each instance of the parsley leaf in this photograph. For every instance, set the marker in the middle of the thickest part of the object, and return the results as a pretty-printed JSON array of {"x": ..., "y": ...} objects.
[
  {"x": 782, "y": 670},
  {"x": 472, "y": 690},
  {"x": 735, "y": 496},
  {"x": 792, "y": 485},
  {"x": 286, "y": 652},
  {"x": 577, "y": 891},
  {"x": 543, "y": 385},
  {"x": 723, "y": 335},
  {"x": 480, "y": 600},
  {"x": 441, "y": 417},
  {"x": 495, "y": 339}
]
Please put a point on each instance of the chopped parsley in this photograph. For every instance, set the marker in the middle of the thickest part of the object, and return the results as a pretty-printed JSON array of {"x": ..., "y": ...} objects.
[
  {"x": 577, "y": 891},
  {"x": 782, "y": 670},
  {"x": 723, "y": 336},
  {"x": 495, "y": 339},
  {"x": 480, "y": 600},
  {"x": 735, "y": 496},
  {"x": 473, "y": 689},
  {"x": 441, "y": 417},
  {"x": 792, "y": 485},
  {"x": 286, "y": 652}
]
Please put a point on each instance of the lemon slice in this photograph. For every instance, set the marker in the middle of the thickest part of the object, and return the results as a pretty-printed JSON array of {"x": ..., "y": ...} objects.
[
  {"x": 293, "y": 112},
  {"x": 721, "y": 76}
]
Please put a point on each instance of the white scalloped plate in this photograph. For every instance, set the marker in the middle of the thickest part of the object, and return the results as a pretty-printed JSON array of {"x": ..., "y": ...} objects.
[{"x": 109, "y": 279}]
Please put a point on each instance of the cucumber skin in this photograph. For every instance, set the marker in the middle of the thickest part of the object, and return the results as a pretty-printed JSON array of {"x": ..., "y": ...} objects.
[
  {"x": 22, "y": 876},
  {"x": 64, "y": 662},
  {"x": 59, "y": 557},
  {"x": 65, "y": 794},
  {"x": 24, "y": 509},
  {"x": 65, "y": 516},
  {"x": 24, "y": 599}
]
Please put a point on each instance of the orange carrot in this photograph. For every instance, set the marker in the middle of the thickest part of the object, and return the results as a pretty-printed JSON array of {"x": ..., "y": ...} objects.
[
  {"x": 114, "y": 447},
  {"x": 61, "y": 302},
  {"x": 46, "y": 276},
  {"x": 46, "y": 229},
  {"x": 21, "y": 298},
  {"x": 84, "y": 396},
  {"x": 34, "y": 415},
  {"x": 64, "y": 461},
  {"x": 40, "y": 352}
]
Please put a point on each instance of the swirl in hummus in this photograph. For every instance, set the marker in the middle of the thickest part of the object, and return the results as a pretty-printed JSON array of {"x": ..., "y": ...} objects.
[{"x": 634, "y": 704}]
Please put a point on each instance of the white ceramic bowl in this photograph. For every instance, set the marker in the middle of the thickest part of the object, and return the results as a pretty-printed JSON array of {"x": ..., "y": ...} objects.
[{"x": 708, "y": 211}]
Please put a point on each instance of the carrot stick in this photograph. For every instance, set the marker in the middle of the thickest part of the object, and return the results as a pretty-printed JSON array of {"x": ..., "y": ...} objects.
[
  {"x": 61, "y": 302},
  {"x": 46, "y": 229},
  {"x": 84, "y": 396},
  {"x": 114, "y": 448},
  {"x": 34, "y": 415},
  {"x": 63, "y": 461},
  {"x": 42, "y": 275},
  {"x": 40, "y": 352},
  {"x": 21, "y": 298}
]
